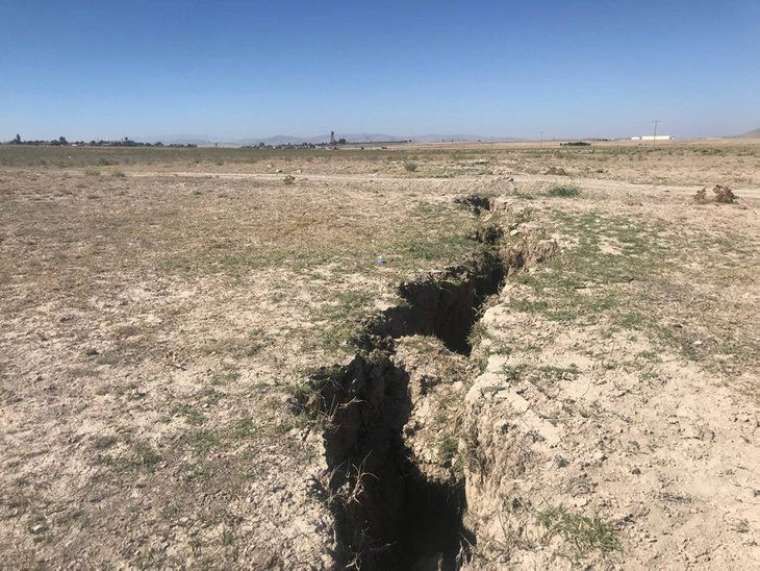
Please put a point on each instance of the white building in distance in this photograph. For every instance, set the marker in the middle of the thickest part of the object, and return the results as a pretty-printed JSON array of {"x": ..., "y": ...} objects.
[{"x": 652, "y": 138}]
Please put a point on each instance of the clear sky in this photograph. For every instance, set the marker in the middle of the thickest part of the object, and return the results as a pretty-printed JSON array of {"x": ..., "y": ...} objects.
[{"x": 228, "y": 69}]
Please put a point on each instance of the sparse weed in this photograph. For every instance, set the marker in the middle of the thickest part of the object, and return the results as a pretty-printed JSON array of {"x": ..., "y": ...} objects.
[
  {"x": 243, "y": 428},
  {"x": 513, "y": 372},
  {"x": 584, "y": 533},
  {"x": 564, "y": 191},
  {"x": 448, "y": 447},
  {"x": 202, "y": 441},
  {"x": 189, "y": 413}
]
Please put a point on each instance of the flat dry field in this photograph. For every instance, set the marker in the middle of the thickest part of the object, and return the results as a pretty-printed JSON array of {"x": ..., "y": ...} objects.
[{"x": 163, "y": 313}]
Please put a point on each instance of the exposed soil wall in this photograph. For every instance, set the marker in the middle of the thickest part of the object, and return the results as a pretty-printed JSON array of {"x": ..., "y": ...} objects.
[
  {"x": 443, "y": 305},
  {"x": 389, "y": 513}
]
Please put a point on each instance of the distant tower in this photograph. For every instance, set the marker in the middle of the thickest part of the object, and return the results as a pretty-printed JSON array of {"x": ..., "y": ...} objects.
[{"x": 332, "y": 138}]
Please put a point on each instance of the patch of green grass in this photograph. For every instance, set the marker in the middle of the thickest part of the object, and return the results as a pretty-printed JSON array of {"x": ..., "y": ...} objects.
[
  {"x": 564, "y": 191},
  {"x": 202, "y": 441},
  {"x": 589, "y": 283},
  {"x": 513, "y": 372},
  {"x": 302, "y": 393},
  {"x": 341, "y": 317},
  {"x": 142, "y": 456},
  {"x": 583, "y": 533},
  {"x": 189, "y": 413},
  {"x": 210, "y": 396},
  {"x": 239, "y": 346},
  {"x": 476, "y": 335},
  {"x": 145, "y": 456},
  {"x": 228, "y": 537},
  {"x": 104, "y": 441},
  {"x": 243, "y": 428},
  {"x": 586, "y": 284},
  {"x": 631, "y": 320},
  {"x": 448, "y": 447},
  {"x": 430, "y": 248},
  {"x": 224, "y": 377},
  {"x": 199, "y": 471},
  {"x": 559, "y": 373}
]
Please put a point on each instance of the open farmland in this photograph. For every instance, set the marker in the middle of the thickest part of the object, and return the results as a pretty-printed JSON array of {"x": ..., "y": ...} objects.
[{"x": 206, "y": 360}]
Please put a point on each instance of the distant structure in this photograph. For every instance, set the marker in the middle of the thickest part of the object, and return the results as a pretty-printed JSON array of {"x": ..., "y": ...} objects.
[
  {"x": 332, "y": 138},
  {"x": 652, "y": 138}
]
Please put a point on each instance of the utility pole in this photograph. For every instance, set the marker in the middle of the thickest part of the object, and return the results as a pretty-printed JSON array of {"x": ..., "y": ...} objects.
[{"x": 654, "y": 138}]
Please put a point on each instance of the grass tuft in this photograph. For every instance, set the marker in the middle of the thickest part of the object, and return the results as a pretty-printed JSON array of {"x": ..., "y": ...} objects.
[
  {"x": 564, "y": 191},
  {"x": 584, "y": 533}
]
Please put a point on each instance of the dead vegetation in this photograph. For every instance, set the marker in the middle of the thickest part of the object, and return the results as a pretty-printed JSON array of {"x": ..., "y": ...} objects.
[
  {"x": 721, "y": 195},
  {"x": 160, "y": 349}
]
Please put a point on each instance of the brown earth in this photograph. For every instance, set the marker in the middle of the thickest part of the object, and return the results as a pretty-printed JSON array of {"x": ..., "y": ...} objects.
[{"x": 163, "y": 316}]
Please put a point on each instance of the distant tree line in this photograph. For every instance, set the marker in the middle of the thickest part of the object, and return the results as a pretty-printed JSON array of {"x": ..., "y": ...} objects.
[
  {"x": 286, "y": 146},
  {"x": 62, "y": 141}
]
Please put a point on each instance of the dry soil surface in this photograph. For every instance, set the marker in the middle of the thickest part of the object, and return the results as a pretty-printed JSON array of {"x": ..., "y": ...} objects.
[{"x": 163, "y": 314}]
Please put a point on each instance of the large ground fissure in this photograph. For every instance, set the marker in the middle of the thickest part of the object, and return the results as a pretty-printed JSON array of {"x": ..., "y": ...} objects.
[{"x": 389, "y": 514}]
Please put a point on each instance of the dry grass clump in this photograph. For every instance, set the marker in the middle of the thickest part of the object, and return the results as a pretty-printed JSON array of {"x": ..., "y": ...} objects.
[{"x": 722, "y": 195}]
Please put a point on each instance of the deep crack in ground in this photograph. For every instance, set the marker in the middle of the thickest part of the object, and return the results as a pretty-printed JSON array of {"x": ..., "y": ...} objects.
[{"x": 388, "y": 514}]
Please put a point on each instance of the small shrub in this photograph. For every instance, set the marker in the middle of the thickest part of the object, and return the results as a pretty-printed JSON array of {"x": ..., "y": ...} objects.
[
  {"x": 722, "y": 194},
  {"x": 409, "y": 166},
  {"x": 584, "y": 533},
  {"x": 92, "y": 172},
  {"x": 289, "y": 179},
  {"x": 564, "y": 191},
  {"x": 118, "y": 174}
]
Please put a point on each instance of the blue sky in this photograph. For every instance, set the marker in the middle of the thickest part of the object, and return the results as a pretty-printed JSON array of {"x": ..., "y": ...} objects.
[{"x": 229, "y": 69}]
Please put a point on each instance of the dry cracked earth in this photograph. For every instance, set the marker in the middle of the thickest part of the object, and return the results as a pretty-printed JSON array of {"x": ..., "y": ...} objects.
[{"x": 434, "y": 358}]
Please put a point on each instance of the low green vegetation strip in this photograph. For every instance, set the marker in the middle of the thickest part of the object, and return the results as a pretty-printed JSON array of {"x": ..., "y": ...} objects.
[
  {"x": 585, "y": 283},
  {"x": 564, "y": 191},
  {"x": 584, "y": 533},
  {"x": 630, "y": 274}
]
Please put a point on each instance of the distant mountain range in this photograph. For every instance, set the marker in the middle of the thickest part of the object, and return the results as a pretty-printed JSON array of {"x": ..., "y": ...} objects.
[
  {"x": 317, "y": 139},
  {"x": 290, "y": 140},
  {"x": 754, "y": 134},
  {"x": 283, "y": 139},
  {"x": 436, "y": 138}
]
